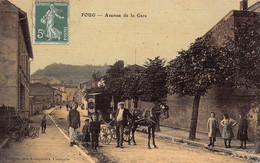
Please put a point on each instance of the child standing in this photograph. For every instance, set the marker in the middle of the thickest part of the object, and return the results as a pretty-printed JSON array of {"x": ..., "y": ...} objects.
[
  {"x": 43, "y": 124},
  {"x": 94, "y": 132},
  {"x": 227, "y": 133},
  {"x": 213, "y": 129},
  {"x": 86, "y": 132},
  {"x": 242, "y": 130}
]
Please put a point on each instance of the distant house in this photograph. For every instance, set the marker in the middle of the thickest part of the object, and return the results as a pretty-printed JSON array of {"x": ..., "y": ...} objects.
[
  {"x": 59, "y": 87},
  {"x": 57, "y": 84},
  {"x": 42, "y": 80},
  {"x": 15, "y": 57},
  {"x": 43, "y": 94},
  {"x": 82, "y": 87},
  {"x": 43, "y": 97},
  {"x": 71, "y": 94}
]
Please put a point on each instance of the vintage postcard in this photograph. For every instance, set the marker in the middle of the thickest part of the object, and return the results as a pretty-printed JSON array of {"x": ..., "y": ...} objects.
[{"x": 146, "y": 81}]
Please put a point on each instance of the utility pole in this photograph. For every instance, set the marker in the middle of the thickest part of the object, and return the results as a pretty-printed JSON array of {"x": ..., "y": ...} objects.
[{"x": 135, "y": 56}]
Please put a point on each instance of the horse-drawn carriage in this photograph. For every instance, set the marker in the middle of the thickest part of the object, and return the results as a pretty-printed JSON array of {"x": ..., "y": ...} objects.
[
  {"x": 100, "y": 104},
  {"x": 149, "y": 118}
]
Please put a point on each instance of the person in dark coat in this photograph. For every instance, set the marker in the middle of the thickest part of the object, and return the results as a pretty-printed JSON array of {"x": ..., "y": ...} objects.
[
  {"x": 242, "y": 130},
  {"x": 74, "y": 123},
  {"x": 67, "y": 107},
  {"x": 121, "y": 119},
  {"x": 86, "y": 132},
  {"x": 94, "y": 131},
  {"x": 44, "y": 123}
]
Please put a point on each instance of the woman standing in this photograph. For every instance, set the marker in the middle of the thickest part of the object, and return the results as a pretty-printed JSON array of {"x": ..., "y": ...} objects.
[
  {"x": 242, "y": 130},
  {"x": 227, "y": 133},
  {"x": 213, "y": 129},
  {"x": 48, "y": 19}
]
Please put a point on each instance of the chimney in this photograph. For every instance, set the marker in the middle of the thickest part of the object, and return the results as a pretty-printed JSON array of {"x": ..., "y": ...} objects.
[{"x": 243, "y": 5}]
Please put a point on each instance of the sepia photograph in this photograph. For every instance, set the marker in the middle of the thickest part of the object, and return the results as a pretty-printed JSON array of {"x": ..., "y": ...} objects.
[{"x": 129, "y": 81}]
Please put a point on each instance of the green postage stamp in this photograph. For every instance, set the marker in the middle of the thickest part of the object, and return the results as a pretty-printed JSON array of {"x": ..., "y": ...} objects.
[{"x": 51, "y": 22}]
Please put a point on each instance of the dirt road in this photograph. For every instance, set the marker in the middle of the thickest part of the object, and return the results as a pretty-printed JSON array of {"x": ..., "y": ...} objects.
[
  {"x": 51, "y": 146},
  {"x": 167, "y": 152}
]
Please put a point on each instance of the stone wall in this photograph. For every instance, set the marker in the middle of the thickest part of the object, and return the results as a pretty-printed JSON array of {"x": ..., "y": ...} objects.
[
  {"x": 218, "y": 100},
  {"x": 8, "y": 55}
]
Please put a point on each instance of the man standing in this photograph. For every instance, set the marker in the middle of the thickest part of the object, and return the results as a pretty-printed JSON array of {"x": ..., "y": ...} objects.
[
  {"x": 74, "y": 123},
  {"x": 122, "y": 115}
]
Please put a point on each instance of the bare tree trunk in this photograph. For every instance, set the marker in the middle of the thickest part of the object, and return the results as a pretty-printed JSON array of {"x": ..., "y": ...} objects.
[
  {"x": 257, "y": 137},
  {"x": 135, "y": 102},
  {"x": 194, "y": 117}
]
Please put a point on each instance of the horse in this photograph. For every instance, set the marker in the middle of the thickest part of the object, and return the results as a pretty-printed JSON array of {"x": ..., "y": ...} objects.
[{"x": 149, "y": 118}]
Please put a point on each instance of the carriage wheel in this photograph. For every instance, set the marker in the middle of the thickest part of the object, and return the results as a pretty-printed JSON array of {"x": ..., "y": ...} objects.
[
  {"x": 127, "y": 136},
  {"x": 113, "y": 131},
  {"x": 105, "y": 135}
]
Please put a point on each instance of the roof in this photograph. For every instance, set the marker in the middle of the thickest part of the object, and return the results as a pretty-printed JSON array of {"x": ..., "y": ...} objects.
[
  {"x": 40, "y": 84},
  {"x": 71, "y": 86},
  {"x": 254, "y": 7},
  {"x": 232, "y": 13},
  {"x": 26, "y": 33},
  {"x": 248, "y": 12},
  {"x": 94, "y": 94}
]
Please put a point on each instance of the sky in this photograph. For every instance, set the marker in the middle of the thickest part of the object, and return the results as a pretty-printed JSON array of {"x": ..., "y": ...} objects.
[{"x": 169, "y": 26}]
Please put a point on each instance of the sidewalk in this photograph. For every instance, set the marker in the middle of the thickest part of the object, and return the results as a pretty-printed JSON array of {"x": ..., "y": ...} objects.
[
  {"x": 51, "y": 146},
  {"x": 202, "y": 140}
]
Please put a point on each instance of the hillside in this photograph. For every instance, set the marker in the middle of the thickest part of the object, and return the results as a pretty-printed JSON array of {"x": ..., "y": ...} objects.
[{"x": 70, "y": 74}]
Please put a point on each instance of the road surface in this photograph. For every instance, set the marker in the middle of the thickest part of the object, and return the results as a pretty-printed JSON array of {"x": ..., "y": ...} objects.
[{"x": 167, "y": 152}]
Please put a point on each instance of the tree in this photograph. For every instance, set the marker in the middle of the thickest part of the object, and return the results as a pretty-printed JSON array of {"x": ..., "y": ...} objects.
[
  {"x": 153, "y": 80},
  {"x": 236, "y": 63},
  {"x": 131, "y": 86},
  {"x": 114, "y": 80},
  {"x": 195, "y": 70},
  {"x": 247, "y": 48}
]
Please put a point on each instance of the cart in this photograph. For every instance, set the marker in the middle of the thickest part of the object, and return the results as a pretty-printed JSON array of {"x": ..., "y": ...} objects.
[{"x": 108, "y": 133}]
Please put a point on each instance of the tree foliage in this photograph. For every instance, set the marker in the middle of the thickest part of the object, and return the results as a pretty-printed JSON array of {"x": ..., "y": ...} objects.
[
  {"x": 131, "y": 86},
  {"x": 195, "y": 70},
  {"x": 153, "y": 80},
  {"x": 246, "y": 48},
  {"x": 114, "y": 80}
]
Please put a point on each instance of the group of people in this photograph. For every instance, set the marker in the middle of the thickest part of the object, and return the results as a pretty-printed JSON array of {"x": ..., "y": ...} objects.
[
  {"x": 91, "y": 129},
  {"x": 227, "y": 132}
]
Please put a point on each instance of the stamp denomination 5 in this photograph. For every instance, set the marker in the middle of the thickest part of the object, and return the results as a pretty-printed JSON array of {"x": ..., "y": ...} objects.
[{"x": 51, "y": 22}]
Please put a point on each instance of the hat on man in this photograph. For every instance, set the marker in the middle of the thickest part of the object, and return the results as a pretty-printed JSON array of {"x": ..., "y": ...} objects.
[{"x": 120, "y": 103}]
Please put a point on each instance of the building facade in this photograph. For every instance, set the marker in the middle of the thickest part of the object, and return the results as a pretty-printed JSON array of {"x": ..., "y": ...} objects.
[
  {"x": 15, "y": 56},
  {"x": 43, "y": 94},
  {"x": 71, "y": 94}
]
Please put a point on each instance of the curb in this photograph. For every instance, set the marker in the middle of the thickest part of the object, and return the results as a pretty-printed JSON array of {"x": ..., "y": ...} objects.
[
  {"x": 52, "y": 110},
  {"x": 239, "y": 154},
  {"x": 80, "y": 150}
]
